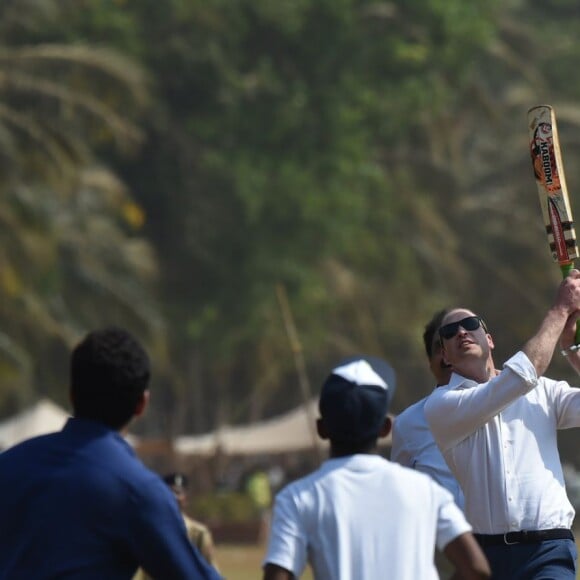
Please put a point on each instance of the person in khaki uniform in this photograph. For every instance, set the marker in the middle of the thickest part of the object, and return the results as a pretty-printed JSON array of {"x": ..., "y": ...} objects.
[{"x": 199, "y": 534}]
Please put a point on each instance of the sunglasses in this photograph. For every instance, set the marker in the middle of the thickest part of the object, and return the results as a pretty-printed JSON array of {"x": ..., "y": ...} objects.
[{"x": 469, "y": 323}]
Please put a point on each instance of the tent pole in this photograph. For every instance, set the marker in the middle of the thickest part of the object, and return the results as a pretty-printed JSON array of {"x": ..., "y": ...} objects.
[{"x": 300, "y": 364}]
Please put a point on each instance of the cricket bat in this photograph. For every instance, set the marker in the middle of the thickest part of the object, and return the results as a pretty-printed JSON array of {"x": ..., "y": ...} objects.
[{"x": 552, "y": 190}]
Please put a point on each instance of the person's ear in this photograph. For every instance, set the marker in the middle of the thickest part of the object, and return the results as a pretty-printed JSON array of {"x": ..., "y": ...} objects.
[
  {"x": 321, "y": 429},
  {"x": 142, "y": 403},
  {"x": 386, "y": 428},
  {"x": 490, "y": 341}
]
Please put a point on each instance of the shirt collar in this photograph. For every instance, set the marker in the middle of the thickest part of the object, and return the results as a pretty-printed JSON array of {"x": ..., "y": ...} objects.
[
  {"x": 457, "y": 381},
  {"x": 87, "y": 428},
  {"x": 357, "y": 462}
]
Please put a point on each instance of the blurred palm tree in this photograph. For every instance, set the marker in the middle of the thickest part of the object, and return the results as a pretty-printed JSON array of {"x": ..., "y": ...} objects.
[
  {"x": 71, "y": 254},
  {"x": 60, "y": 101}
]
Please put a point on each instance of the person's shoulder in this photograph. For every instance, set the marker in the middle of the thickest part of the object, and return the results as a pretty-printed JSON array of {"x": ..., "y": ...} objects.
[
  {"x": 300, "y": 484},
  {"x": 411, "y": 415},
  {"x": 195, "y": 526},
  {"x": 119, "y": 462},
  {"x": 117, "y": 456},
  {"x": 116, "y": 470},
  {"x": 433, "y": 399},
  {"x": 441, "y": 393},
  {"x": 145, "y": 489},
  {"x": 548, "y": 391},
  {"x": 139, "y": 474},
  {"x": 548, "y": 383},
  {"x": 426, "y": 492},
  {"x": 29, "y": 446},
  {"x": 411, "y": 477},
  {"x": 304, "y": 485}
]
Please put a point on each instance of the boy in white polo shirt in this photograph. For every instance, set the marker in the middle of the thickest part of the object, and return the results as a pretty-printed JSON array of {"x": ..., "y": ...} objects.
[{"x": 360, "y": 516}]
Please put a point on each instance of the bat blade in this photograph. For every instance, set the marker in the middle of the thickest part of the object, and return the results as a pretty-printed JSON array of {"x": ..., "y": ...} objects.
[
  {"x": 551, "y": 184},
  {"x": 553, "y": 193}
]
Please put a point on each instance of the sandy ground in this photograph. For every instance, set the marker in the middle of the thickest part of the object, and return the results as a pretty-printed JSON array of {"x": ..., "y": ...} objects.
[{"x": 243, "y": 562}]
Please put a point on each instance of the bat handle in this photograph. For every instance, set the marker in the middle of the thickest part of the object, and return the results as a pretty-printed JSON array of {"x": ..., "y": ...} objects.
[{"x": 566, "y": 268}]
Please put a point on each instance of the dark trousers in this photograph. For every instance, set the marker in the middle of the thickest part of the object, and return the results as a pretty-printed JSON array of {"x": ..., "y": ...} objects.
[{"x": 548, "y": 560}]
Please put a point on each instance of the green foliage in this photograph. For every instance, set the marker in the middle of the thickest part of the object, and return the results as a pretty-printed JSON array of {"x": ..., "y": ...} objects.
[
  {"x": 223, "y": 507},
  {"x": 286, "y": 123},
  {"x": 369, "y": 156},
  {"x": 71, "y": 257}
]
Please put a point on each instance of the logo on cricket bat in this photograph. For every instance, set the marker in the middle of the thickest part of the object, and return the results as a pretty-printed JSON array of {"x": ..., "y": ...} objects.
[
  {"x": 559, "y": 246},
  {"x": 551, "y": 183},
  {"x": 543, "y": 158}
]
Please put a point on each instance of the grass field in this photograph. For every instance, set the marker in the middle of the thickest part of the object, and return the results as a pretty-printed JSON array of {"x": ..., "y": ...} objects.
[
  {"x": 244, "y": 562},
  {"x": 240, "y": 562}
]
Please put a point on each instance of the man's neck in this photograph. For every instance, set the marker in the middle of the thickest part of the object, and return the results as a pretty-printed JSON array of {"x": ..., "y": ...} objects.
[
  {"x": 338, "y": 450},
  {"x": 476, "y": 370}
]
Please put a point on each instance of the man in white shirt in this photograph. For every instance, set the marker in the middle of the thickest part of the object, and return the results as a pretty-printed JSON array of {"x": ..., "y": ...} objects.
[
  {"x": 497, "y": 432},
  {"x": 413, "y": 444},
  {"x": 412, "y": 441},
  {"x": 360, "y": 516}
]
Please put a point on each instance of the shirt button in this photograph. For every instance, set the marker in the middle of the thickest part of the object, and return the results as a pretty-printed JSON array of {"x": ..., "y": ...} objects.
[{"x": 509, "y": 498}]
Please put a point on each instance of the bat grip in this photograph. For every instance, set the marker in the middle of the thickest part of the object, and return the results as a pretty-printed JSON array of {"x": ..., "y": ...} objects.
[{"x": 566, "y": 269}]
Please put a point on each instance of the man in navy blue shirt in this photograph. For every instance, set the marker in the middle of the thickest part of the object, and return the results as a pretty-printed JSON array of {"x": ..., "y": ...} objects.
[{"x": 78, "y": 503}]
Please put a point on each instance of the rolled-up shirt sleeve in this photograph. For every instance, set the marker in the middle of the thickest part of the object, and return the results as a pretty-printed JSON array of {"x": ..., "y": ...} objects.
[{"x": 458, "y": 410}]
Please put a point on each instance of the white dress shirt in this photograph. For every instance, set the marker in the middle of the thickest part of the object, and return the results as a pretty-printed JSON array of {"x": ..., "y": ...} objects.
[
  {"x": 362, "y": 517},
  {"x": 413, "y": 446},
  {"x": 499, "y": 439}
]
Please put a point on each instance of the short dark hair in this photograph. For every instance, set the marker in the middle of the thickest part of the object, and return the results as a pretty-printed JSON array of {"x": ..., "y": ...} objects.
[
  {"x": 109, "y": 371},
  {"x": 177, "y": 480},
  {"x": 431, "y": 329}
]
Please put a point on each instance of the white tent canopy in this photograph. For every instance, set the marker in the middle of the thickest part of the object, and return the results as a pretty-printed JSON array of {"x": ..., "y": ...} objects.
[
  {"x": 292, "y": 431},
  {"x": 40, "y": 419},
  {"x": 43, "y": 417}
]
